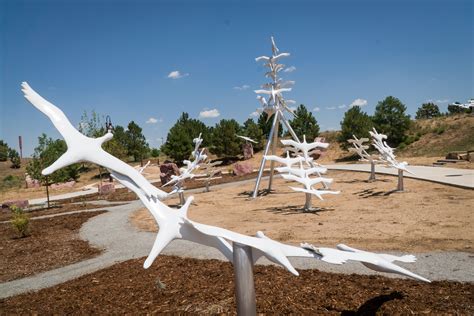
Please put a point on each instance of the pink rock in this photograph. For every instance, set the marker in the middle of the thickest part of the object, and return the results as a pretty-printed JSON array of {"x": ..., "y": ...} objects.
[
  {"x": 31, "y": 183},
  {"x": 247, "y": 149},
  {"x": 18, "y": 203},
  {"x": 242, "y": 168},
  {"x": 167, "y": 170},
  {"x": 106, "y": 188},
  {"x": 57, "y": 186}
]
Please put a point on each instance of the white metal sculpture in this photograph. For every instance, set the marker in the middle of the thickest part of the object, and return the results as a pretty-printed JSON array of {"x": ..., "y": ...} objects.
[
  {"x": 303, "y": 174},
  {"x": 188, "y": 171},
  {"x": 210, "y": 172},
  {"x": 174, "y": 223},
  {"x": 247, "y": 139},
  {"x": 276, "y": 105},
  {"x": 361, "y": 149},
  {"x": 388, "y": 157}
]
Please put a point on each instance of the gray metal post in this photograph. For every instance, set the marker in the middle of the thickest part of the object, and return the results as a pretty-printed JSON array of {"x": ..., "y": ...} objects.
[
  {"x": 181, "y": 198},
  {"x": 244, "y": 284},
  {"x": 307, "y": 205},
  {"x": 372, "y": 171},
  {"x": 400, "y": 181},
  {"x": 274, "y": 147},
  {"x": 262, "y": 164}
]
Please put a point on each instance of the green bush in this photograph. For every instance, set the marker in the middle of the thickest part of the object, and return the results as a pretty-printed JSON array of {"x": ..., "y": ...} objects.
[
  {"x": 20, "y": 221},
  {"x": 440, "y": 130},
  {"x": 10, "y": 181},
  {"x": 402, "y": 146}
]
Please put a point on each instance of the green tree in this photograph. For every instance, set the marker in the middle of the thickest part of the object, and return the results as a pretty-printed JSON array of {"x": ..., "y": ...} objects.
[
  {"x": 355, "y": 122},
  {"x": 3, "y": 151},
  {"x": 304, "y": 123},
  {"x": 224, "y": 139},
  {"x": 266, "y": 125},
  {"x": 136, "y": 142},
  {"x": 155, "y": 152},
  {"x": 390, "y": 119},
  {"x": 454, "y": 109},
  {"x": 117, "y": 146},
  {"x": 91, "y": 125},
  {"x": 179, "y": 141},
  {"x": 14, "y": 158},
  {"x": 47, "y": 152},
  {"x": 427, "y": 111},
  {"x": 252, "y": 130}
]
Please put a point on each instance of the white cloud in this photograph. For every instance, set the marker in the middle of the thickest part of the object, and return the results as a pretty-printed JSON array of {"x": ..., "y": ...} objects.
[
  {"x": 209, "y": 113},
  {"x": 358, "y": 102},
  {"x": 438, "y": 101},
  {"x": 151, "y": 120},
  {"x": 243, "y": 87},
  {"x": 176, "y": 74},
  {"x": 342, "y": 106},
  {"x": 316, "y": 109},
  {"x": 330, "y": 108},
  {"x": 254, "y": 114},
  {"x": 293, "y": 108},
  {"x": 290, "y": 69}
]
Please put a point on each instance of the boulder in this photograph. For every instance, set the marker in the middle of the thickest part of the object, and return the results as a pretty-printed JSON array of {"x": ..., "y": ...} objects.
[
  {"x": 19, "y": 203},
  {"x": 31, "y": 183},
  {"x": 106, "y": 188},
  {"x": 167, "y": 170},
  {"x": 242, "y": 168},
  {"x": 58, "y": 186},
  {"x": 247, "y": 150}
]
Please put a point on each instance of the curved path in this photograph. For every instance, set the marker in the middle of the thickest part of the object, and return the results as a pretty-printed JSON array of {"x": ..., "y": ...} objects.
[
  {"x": 113, "y": 233},
  {"x": 463, "y": 178}
]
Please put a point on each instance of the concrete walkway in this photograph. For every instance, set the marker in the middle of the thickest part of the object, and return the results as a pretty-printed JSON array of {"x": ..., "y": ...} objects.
[
  {"x": 463, "y": 178},
  {"x": 120, "y": 241}
]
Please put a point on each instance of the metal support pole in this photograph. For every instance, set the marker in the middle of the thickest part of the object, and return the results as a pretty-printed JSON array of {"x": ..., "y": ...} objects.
[
  {"x": 307, "y": 205},
  {"x": 274, "y": 147},
  {"x": 244, "y": 284},
  {"x": 181, "y": 198},
  {"x": 262, "y": 164},
  {"x": 295, "y": 137},
  {"x": 400, "y": 181},
  {"x": 47, "y": 190},
  {"x": 372, "y": 171}
]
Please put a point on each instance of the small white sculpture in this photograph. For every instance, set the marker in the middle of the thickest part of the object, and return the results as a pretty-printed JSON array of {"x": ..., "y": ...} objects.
[
  {"x": 361, "y": 149},
  {"x": 247, "y": 139},
  {"x": 386, "y": 152},
  {"x": 301, "y": 174},
  {"x": 187, "y": 172},
  {"x": 83, "y": 148},
  {"x": 174, "y": 224}
]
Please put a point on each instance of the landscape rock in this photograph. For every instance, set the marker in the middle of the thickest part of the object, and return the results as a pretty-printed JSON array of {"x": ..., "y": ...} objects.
[
  {"x": 242, "y": 168},
  {"x": 58, "y": 186},
  {"x": 31, "y": 183},
  {"x": 247, "y": 149},
  {"x": 19, "y": 203},
  {"x": 106, "y": 188},
  {"x": 167, "y": 170}
]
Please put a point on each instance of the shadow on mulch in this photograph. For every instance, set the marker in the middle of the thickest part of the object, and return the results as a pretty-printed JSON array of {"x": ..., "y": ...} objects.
[
  {"x": 178, "y": 285},
  {"x": 364, "y": 181}
]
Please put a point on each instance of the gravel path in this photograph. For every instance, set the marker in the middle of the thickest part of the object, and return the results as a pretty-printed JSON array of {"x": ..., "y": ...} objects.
[{"x": 113, "y": 232}]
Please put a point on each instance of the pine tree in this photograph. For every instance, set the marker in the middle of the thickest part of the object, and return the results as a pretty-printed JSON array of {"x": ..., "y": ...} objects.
[
  {"x": 390, "y": 119},
  {"x": 355, "y": 122},
  {"x": 224, "y": 139},
  {"x": 304, "y": 123},
  {"x": 252, "y": 130}
]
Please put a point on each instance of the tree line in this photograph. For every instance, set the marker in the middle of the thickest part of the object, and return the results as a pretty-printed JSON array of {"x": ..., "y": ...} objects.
[{"x": 390, "y": 118}]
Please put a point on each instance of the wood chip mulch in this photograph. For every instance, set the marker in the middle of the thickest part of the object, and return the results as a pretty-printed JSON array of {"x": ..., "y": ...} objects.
[
  {"x": 53, "y": 242},
  {"x": 180, "y": 285}
]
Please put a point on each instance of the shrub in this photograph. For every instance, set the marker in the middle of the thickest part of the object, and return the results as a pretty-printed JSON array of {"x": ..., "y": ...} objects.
[
  {"x": 20, "y": 221},
  {"x": 11, "y": 181}
]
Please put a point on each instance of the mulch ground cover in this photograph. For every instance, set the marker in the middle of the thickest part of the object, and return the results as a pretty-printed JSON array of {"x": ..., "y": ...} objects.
[
  {"x": 52, "y": 243},
  {"x": 180, "y": 285},
  {"x": 56, "y": 208},
  {"x": 124, "y": 194}
]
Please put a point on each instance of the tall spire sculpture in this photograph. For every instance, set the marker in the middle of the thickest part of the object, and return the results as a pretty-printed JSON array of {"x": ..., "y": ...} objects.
[{"x": 273, "y": 103}]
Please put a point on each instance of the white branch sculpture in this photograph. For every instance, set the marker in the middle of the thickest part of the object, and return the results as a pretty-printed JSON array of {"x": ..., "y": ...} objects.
[
  {"x": 174, "y": 223},
  {"x": 361, "y": 149},
  {"x": 302, "y": 175},
  {"x": 187, "y": 172}
]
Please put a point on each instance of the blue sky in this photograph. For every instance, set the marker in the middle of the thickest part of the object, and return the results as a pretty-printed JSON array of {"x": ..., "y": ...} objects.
[{"x": 121, "y": 58}]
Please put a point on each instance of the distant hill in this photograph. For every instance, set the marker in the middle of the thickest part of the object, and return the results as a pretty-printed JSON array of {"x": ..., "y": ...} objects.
[{"x": 439, "y": 136}]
